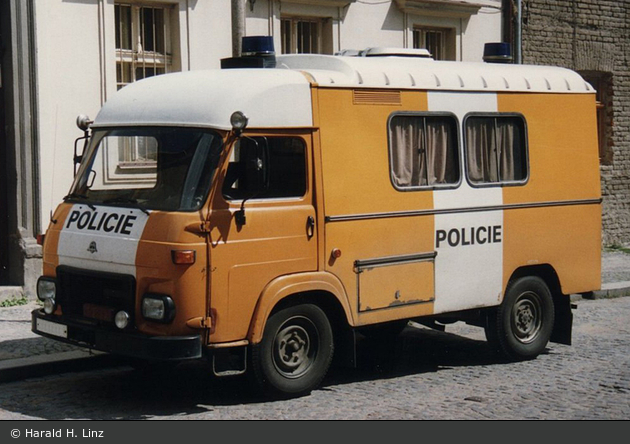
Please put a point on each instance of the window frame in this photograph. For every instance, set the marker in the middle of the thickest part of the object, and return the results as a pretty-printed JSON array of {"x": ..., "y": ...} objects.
[
  {"x": 145, "y": 59},
  {"x": 446, "y": 39},
  {"x": 495, "y": 115},
  {"x": 601, "y": 82},
  {"x": 458, "y": 156},
  {"x": 255, "y": 201},
  {"x": 293, "y": 40}
]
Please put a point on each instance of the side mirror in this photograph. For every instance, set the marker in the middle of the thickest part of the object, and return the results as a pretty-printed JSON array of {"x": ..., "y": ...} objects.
[{"x": 83, "y": 122}]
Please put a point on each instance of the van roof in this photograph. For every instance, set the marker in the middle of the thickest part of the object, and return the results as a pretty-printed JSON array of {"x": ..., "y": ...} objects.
[
  {"x": 269, "y": 97},
  {"x": 428, "y": 74},
  {"x": 281, "y": 97}
]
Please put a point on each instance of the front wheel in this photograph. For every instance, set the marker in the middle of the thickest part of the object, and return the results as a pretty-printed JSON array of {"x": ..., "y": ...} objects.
[
  {"x": 295, "y": 352},
  {"x": 521, "y": 326}
]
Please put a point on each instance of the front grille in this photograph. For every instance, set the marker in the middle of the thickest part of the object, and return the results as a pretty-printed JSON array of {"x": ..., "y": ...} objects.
[{"x": 93, "y": 294}]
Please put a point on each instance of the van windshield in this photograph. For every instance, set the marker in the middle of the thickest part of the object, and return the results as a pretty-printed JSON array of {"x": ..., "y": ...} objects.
[{"x": 166, "y": 169}]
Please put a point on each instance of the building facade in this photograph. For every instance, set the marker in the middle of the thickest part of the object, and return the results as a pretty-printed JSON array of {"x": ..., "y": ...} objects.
[
  {"x": 64, "y": 58},
  {"x": 592, "y": 37}
]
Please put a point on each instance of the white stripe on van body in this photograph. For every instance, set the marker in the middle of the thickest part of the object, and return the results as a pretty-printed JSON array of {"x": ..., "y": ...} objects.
[
  {"x": 469, "y": 262},
  {"x": 104, "y": 238}
]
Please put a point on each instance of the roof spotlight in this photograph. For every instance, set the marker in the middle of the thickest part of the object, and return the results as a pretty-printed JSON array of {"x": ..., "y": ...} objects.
[{"x": 238, "y": 121}]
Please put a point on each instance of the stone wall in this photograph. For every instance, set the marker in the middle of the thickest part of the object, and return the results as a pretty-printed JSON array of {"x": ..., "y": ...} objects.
[{"x": 593, "y": 38}]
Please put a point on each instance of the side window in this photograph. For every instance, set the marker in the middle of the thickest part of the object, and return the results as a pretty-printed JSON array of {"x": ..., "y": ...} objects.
[
  {"x": 496, "y": 149},
  {"x": 423, "y": 151},
  {"x": 285, "y": 163}
]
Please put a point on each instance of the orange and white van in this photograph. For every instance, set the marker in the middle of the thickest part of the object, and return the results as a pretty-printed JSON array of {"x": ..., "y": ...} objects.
[{"x": 261, "y": 217}]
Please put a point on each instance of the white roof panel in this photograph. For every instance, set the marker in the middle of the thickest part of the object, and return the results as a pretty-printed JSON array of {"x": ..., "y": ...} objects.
[
  {"x": 424, "y": 73},
  {"x": 269, "y": 97}
]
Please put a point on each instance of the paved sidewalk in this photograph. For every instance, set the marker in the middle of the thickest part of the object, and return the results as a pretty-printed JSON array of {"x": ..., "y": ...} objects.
[{"x": 25, "y": 354}]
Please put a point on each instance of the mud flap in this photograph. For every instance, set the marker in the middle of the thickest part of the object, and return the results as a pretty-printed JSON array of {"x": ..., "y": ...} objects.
[
  {"x": 563, "y": 324},
  {"x": 345, "y": 348}
]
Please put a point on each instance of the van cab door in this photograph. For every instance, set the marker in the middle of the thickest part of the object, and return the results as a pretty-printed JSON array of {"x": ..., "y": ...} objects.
[{"x": 275, "y": 233}]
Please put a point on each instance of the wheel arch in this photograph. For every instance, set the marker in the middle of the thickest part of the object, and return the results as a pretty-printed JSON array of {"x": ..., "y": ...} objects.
[
  {"x": 318, "y": 288},
  {"x": 563, "y": 318},
  {"x": 544, "y": 271}
]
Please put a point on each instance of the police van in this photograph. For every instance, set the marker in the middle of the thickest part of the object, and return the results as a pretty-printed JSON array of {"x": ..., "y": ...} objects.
[{"x": 260, "y": 217}]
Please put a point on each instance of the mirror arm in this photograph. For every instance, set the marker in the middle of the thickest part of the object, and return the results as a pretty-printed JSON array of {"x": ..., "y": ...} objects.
[{"x": 78, "y": 158}]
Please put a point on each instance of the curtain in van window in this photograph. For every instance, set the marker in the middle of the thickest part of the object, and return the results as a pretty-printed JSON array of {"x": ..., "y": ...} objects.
[
  {"x": 495, "y": 149},
  {"x": 481, "y": 145},
  {"x": 407, "y": 135},
  {"x": 440, "y": 155},
  {"x": 424, "y": 151}
]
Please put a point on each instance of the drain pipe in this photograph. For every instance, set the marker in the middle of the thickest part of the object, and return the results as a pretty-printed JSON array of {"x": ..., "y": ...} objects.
[
  {"x": 518, "y": 33},
  {"x": 238, "y": 26}
]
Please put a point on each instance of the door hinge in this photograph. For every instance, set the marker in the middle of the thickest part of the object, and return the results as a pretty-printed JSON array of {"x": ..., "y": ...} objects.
[{"x": 200, "y": 323}]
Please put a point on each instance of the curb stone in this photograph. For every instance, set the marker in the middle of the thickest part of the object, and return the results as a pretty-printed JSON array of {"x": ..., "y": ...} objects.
[{"x": 609, "y": 290}]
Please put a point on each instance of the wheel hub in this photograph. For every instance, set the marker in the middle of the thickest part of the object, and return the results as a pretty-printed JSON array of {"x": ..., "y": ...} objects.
[
  {"x": 294, "y": 349},
  {"x": 527, "y": 318}
]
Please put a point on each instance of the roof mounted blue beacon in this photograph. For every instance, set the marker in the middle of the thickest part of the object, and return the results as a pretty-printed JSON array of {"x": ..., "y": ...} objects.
[
  {"x": 257, "y": 52},
  {"x": 497, "y": 53},
  {"x": 257, "y": 45}
]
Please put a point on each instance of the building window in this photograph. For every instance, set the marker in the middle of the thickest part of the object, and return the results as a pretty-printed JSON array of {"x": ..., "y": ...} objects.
[
  {"x": 143, "y": 42},
  {"x": 302, "y": 36},
  {"x": 496, "y": 149},
  {"x": 143, "y": 49},
  {"x": 602, "y": 82},
  {"x": 423, "y": 151},
  {"x": 437, "y": 41}
]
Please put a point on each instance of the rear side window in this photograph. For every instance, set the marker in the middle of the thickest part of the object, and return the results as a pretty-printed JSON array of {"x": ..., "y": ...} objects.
[
  {"x": 423, "y": 151},
  {"x": 286, "y": 168},
  {"x": 496, "y": 149}
]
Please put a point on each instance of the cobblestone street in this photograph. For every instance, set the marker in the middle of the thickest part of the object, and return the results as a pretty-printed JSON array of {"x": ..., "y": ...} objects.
[{"x": 425, "y": 375}]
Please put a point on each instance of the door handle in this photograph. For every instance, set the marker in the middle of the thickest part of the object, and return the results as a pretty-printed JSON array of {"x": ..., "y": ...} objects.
[{"x": 310, "y": 226}]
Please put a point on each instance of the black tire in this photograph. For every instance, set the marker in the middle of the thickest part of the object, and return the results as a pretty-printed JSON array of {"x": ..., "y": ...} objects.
[
  {"x": 490, "y": 328},
  {"x": 521, "y": 326},
  {"x": 295, "y": 352}
]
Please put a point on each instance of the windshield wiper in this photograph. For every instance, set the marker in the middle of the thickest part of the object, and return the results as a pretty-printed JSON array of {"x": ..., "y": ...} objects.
[
  {"x": 129, "y": 200},
  {"x": 79, "y": 196}
]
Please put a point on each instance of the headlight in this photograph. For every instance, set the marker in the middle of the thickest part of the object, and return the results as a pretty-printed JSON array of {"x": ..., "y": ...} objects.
[
  {"x": 49, "y": 306},
  {"x": 158, "y": 307},
  {"x": 122, "y": 319},
  {"x": 46, "y": 288}
]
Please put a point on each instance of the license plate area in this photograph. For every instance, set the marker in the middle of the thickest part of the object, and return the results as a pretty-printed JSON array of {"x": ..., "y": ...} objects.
[{"x": 52, "y": 328}]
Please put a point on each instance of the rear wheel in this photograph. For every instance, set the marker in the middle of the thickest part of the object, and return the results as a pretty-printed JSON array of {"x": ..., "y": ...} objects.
[
  {"x": 521, "y": 326},
  {"x": 295, "y": 352}
]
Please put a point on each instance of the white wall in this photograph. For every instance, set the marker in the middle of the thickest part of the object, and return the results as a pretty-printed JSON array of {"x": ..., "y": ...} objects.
[
  {"x": 377, "y": 23},
  {"x": 69, "y": 83},
  {"x": 76, "y": 69},
  {"x": 367, "y": 25}
]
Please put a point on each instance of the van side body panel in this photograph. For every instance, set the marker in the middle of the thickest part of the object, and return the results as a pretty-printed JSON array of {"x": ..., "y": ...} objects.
[
  {"x": 369, "y": 220},
  {"x": 564, "y": 167},
  {"x": 356, "y": 181}
]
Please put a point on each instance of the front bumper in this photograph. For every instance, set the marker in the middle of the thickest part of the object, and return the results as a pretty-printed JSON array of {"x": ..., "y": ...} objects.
[{"x": 136, "y": 345}]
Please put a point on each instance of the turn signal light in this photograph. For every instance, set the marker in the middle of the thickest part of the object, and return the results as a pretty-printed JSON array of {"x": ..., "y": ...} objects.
[
  {"x": 185, "y": 257},
  {"x": 40, "y": 239}
]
